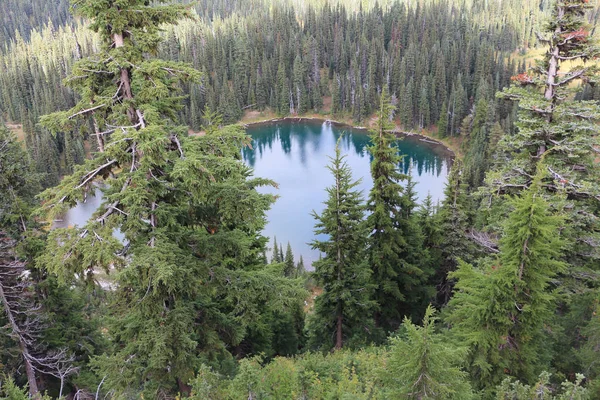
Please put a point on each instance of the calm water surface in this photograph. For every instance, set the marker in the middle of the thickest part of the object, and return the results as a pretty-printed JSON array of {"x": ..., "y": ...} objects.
[{"x": 295, "y": 154}]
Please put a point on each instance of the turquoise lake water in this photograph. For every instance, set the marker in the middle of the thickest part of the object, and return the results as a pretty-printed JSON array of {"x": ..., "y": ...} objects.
[{"x": 295, "y": 155}]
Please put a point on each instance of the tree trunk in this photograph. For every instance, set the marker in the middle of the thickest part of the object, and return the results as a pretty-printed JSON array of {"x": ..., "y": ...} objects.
[
  {"x": 125, "y": 80},
  {"x": 33, "y": 388},
  {"x": 552, "y": 73},
  {"x": 338, "y": 336},
  {"x": 183, "y": 387}
]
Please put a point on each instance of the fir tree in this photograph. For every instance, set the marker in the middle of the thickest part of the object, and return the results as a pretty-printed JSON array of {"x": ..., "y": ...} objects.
[
  {"x": 300, "y": 268},
  {"x": 387, "y": 245},
  {"x": 415, "y": 256},
  {"x": 424, "y": 365},
  {"x": 500, "y": 311},
  {"x": 556, "y": 128},
  {"x": 275, "y": 259},
  {"x": 453, "y": 222},
  {"x": 442, "y": 123},
  {"x": 341, "y": 315},
  {"x": 289, "y": 262}
]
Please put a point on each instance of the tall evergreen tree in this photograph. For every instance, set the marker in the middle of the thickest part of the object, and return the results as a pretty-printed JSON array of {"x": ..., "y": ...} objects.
[
  {"x": 289, "y": 268},
  {"x": 300, "y": 268},
  {"x": 341, "y": 315},
  {"x": 557, "y": 128},
  {"x": 276, "y": 258},
  {"x": 392, "y": 274},
  {"x": 193, "y": 249},
  {"x": 453, "y": 222},
  {"x": 500, "y": 311}
]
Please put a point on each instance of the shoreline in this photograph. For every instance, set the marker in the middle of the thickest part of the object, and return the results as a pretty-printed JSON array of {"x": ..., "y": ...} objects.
[{"x": 434, "y": 143}]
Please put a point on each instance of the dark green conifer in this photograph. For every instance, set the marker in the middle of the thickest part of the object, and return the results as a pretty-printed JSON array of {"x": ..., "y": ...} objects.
[
  {"x": 289, "y": 268},
  {"x": 193, "y": 283},
  {"x": 342, "y": 311},
  {"x": 275, "y": 259},
  {"x": 387, "y": 245}
]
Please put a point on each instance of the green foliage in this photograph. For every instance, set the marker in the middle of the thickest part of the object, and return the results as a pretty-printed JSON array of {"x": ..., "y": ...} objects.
[
  {"x": 18, "y": 184},
  {"x": 453, "y": 222},
  {"x": 343, "y": 374},
  {"x": 342, "y": 311},
  {"x": 290, "y": 267},
  {"x": 589, "y": 352},
  {"x": 191, "y": 284},
  {"x": 394, "y": 272},
  {"x": 10, "y": 391},
  {"x": 542, "y": 390},
  {"x": 424, "y": 365},
  {"x": 558, "y": 129},
  {"x": 501, "y": 310}
]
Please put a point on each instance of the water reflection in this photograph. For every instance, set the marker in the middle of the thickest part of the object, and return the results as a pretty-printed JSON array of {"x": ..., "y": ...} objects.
[
  {"x": 294, "y": 154},
  {"x": 79, "y": 215}
]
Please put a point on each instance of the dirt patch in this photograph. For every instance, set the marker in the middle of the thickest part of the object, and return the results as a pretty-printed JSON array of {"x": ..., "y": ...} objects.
[
  {"x": 252, "y": 114},
  {"x": 18, "y": 130},
  {"x": 192, "y": 132},
  {"x": 327, "y": 104}
]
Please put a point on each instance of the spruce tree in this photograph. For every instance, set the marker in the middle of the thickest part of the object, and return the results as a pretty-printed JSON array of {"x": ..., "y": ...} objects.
[
  {"x": 415, "y": 256},
  {"x": 289, "y": 268},
  {"x": 275, "y": 259},
  {"x": 453, "y": 222},
  {"x": 300, "y": 268},
  {"x": 556, "y": 128},
  {"x": 342, "y": 311},
  {"x": 391, "y": 273}
]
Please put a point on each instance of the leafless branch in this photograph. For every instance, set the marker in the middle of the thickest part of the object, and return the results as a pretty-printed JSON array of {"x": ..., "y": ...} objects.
[
  {"x": 87, "y": 110},
  {"x": 485, "y": 240},
  {"x": 92, "y": 174}
]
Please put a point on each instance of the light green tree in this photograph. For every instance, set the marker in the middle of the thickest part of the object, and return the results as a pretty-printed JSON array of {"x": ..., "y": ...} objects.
[{"x": 423, "y": 364}]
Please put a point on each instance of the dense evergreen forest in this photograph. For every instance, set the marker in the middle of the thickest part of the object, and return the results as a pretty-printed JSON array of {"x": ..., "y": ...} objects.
[{"x": 494, "y": 293}]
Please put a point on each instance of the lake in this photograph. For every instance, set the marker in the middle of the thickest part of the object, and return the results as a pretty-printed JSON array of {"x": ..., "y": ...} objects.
[{"x": 294, "y": 154}]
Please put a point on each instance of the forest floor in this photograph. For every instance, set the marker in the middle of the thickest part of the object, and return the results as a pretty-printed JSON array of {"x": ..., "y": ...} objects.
[{"x": 17, "y": 130}]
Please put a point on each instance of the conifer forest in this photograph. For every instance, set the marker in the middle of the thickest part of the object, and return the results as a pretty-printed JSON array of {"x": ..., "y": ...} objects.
[{"x": 172, "y": 290}]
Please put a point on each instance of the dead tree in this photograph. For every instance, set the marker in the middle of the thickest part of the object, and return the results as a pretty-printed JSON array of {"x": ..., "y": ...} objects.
[{"x": 26, "y": 321}]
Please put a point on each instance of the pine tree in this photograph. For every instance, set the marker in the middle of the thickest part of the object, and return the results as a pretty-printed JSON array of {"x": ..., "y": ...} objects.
[
  {"x": 476, "y": 158},
  {"x": 544, "y": 389},
  {"x": 453, "y": 222},
  {"x": 300, "y": 268},
  {"x": 415, "y": 256},
  {"x": 24, "y": 302},
  {"x": 500, "y": 311},
  {"x": 19, "y": 183},
  {"x": 442, "y": 124},
  {"x": 341, "y": 315},
  {"x": 424, "y": 365}
]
